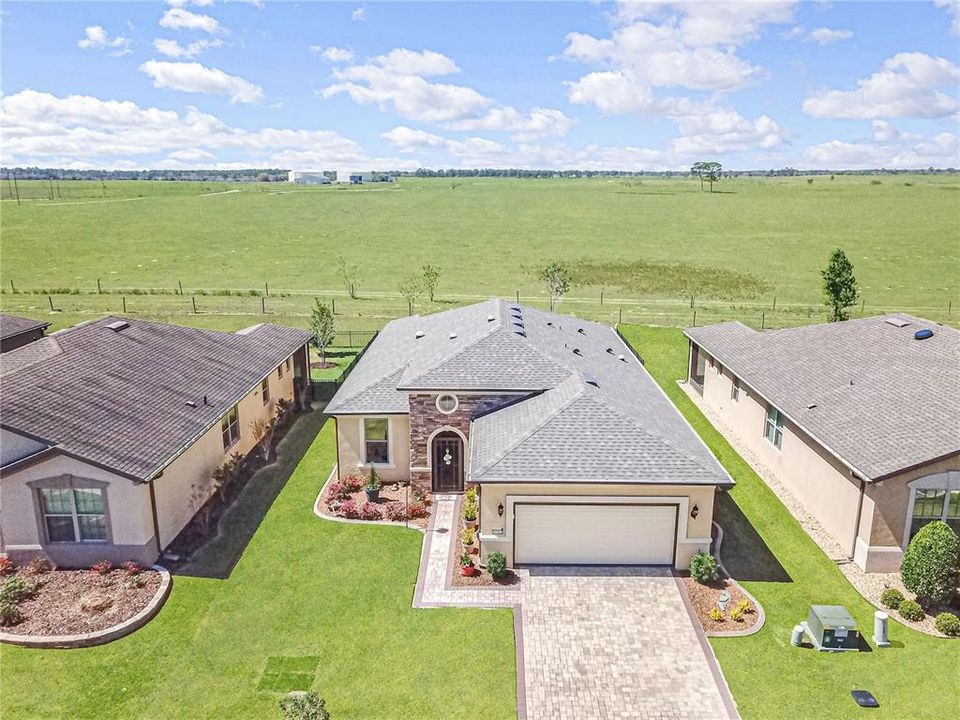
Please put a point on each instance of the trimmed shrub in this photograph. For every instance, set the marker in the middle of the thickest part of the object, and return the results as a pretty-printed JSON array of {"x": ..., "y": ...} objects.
[
  {"x": 929, "y": 566},
  {"x": 468, "y": 536},
  {"x": 716, "y": 614},
  {"x": 418, "y": 510},
  {"x": 948, "y": 624},
  {"x": 352, "y": 483},
  {"x": 305, "y": 706},
  {"x": 104, "y": 567},
  {"x": 395, "y": 511},
  {"x": 10, "y": 613},
  {"x": 132, "y": 568},
  {"x": 15, "y": 590},
  {"x": 891, "y": 598},
  {"x": 369, "y": 511},
  {"x": 497, "y": 564},
  {"x": 911, "y": 610},
  {"x": 703, "y": 568},
  {"x": 470, "y": 511},
  {"x": 38, "y": 566},
  {"x": 736, "y": 614},
  {"x": 373, "y": 482},
  {"x": 744, "y": 607},
  {"x": 471, "y": 494},
  {"x": 350, "y": 510}
]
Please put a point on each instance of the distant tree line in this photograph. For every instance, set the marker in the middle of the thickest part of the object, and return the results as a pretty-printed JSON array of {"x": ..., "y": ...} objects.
[{"x": 280, "y": 175}]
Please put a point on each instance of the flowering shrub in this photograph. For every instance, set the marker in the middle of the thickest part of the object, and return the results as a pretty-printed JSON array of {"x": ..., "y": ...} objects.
[
  {"x": 395, "y": 511},
  {"x": 418, "y": 510},
  {"x": 102, "y": 568},
  {"x": 420, "y": 495},
  {"x": 132, "y": 568},
  {"x": 350, "y": 510},
  {"x": 353, "y": 483},
  {"x": 369, "y": 511},
  {"x": 6, "y": 566}
]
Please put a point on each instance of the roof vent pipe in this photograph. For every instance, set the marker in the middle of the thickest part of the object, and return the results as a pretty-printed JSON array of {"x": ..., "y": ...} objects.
[
  {"x": 419, "y": 334},
  {"x": 453, "y": 335},
  {"x": 576, "y": 351},
  {"x": 621, "y": 358},
  {"x": 491, "y": 318}
]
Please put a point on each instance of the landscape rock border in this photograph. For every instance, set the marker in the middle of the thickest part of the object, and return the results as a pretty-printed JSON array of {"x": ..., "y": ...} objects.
[
  {"x": 321, "y": 512},
  {"x": 99, "y": 637},
  {"x": 761, "y": 619}
]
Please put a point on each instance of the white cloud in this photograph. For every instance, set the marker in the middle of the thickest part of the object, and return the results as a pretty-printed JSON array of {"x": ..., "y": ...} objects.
[
  {"x": 953, "y": 8},
  {"x": 942, "y": 150},
  {"x": 824, "y": 36},
  {"x": 710, "y": 23},
  {"x": 172, "y": 48},
  {"x": 408, "y": 140},
  {"x": 177, "y": 18},
  {"x": 884, "y": 131},
  {"x": 333, "y": 54},
  {"x": 197, "y": 78},
  {"x": 184, "y": 3},
  {"x": 722, "y": 130},
  {"x": 359, "y": 15},
  {"x": 96, "y": 38},
  {"x": 906, "y": 87},
  {"x": 425, "y": 63},
  {"x": 537, "y": 124},
  {"x": 79, "y": 130}
]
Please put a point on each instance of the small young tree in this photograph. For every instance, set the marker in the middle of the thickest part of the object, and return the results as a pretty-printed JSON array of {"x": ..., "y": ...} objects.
[
  {"x": 304, "y": 706},
  {"x": 411, "y": 287},
  {"x": 430, "y": 278},
  {"x": 322, "y": 326},
  {"x": 839, "y": 286},
  {"x": 263, "y": 434},
  {"x": 351, "y": 276},
  {"x": 709, "y": 171},
  {"x": 558, "y": 280},
  {"x": 929, "y": 566}
]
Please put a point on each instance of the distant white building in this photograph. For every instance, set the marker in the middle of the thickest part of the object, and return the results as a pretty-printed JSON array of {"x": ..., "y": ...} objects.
[
  {"x": 358, "y": 177},
  {"x": 308, "y": 178}
]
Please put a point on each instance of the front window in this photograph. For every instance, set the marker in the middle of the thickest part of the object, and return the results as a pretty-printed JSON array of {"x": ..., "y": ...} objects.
[
  {"x": 265, "y": 390},
  {"x": 931, "y": 505},
  {"x": 735, "y": 390},
  {"x": 698, "y": 366},
  {"x": 230, "y": 428},
  {"x": 376, "y": 441},
  {"x": 74, "y": 515},
  {"x": 280, "y": 370},
  {"x": 773, "y": 428}
]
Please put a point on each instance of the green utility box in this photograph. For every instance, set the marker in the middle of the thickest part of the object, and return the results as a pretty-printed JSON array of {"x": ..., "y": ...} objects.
[{"x": 832, "y": 628}]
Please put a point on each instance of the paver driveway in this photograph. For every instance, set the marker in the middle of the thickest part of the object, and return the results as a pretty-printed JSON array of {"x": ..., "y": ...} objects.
[{"x": 614, "y": 643}]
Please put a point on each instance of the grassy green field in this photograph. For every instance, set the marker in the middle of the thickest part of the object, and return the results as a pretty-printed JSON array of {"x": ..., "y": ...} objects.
[
  {"x": 769, "y": 552},
  {"x": 648, "y": 244},
  {"x": 333, "y": 598}
]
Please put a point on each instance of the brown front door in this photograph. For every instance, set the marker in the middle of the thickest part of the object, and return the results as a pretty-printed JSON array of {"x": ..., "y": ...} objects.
[{"x": 447, "y": 462}]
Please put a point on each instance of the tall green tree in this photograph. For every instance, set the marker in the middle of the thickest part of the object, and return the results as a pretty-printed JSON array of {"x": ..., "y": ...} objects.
[
  {"x": 431, "y": 278},
  {"x": 839, "y": 286},
  {"x": 558, "y": 279},
  {"x": 322, "y": 326},
  {"x": 709, "y": 171}
]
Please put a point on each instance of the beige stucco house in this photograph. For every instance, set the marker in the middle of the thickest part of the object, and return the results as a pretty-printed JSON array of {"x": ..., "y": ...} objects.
[
  {"x": 579, "y": 456},
  {"x": 110, "y": 431},
  {"x": 860, "y": 420}
]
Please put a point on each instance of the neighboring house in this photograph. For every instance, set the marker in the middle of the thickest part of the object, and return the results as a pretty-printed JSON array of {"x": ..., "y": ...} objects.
[
  {"x": 578, "y": 454},
  {"x": 112, "y": 429},
  {"x": 18, "y": 331},
  {"x": 860, "y": 420},
  {"x": 308, "y": 178}
]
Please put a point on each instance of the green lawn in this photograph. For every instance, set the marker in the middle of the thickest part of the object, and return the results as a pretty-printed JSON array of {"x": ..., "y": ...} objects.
[
  {"x": 310, "y": 602},
  {"x": 919, "y": 677},
  {"x": 341, "y": 357},
  {"x": 647, "y": 243}
]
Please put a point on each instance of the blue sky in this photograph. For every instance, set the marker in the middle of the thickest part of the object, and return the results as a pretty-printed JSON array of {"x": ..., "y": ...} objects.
[{"x": 628, "y": 85}]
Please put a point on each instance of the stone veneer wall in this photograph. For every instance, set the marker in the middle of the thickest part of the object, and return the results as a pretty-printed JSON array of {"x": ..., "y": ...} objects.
[{"x": 425, "y": 418}]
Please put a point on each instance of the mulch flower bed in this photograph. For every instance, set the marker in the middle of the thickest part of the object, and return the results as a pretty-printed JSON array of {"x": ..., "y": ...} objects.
[
  {"x": 322, "y": 365},
  {"x": 481, "y": 578},
  {"x": 347, "y": 499},
  {"x": 704, "y": 598},
  {"x": 70, "y": 602}
]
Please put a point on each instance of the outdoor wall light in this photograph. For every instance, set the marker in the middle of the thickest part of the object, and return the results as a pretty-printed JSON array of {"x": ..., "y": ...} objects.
[
  {"x": 500, "y": 509},
  {"x": 695, "y": 512}
]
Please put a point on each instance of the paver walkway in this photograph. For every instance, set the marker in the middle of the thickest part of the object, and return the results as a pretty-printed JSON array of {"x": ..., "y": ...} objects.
[{"x": 594, "y": 643}]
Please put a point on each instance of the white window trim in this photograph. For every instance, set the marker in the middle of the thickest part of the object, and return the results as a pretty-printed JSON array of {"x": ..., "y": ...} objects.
[
  {"x": 226, "y": 416},
  {"x": 363, "y": 442},
  {"x": 947, "y": 481},
  {"x": 735, "y": 390},
  {"x": 456, "y": 403},
  {"x": 71, "y": 483},
  {"x": 782, "y": 426}
]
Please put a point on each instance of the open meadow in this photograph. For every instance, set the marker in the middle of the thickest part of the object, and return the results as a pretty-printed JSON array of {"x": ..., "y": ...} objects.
[{"x": 657, "y": 249}]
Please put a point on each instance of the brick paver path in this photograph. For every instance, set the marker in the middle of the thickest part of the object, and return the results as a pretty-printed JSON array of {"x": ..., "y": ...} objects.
[{"x": 595, "y": 643}]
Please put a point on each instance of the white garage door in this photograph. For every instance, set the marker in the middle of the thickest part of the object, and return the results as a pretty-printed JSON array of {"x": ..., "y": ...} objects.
[{"x": 604, "y": 534}]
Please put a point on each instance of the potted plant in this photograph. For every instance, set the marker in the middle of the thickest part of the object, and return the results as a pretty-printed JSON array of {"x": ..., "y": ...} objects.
[
  {"x": 466, "y": 565},
  {"x": 467, "y": 539},
  {"x": 372, "y": 488},
  {"x": 470, "y": 514}
]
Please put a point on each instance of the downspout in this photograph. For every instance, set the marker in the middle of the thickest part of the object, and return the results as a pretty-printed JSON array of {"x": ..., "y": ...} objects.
[
  {"x": 156, "y": 521},
  {"x": 856, "y": 525}
]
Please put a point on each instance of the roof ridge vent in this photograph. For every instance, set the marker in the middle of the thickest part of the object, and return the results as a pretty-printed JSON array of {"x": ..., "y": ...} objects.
[
  {"x": 419, "y": 334},
  {"x": 896, "y": 321},
  {"x": 118, "y": 325}
]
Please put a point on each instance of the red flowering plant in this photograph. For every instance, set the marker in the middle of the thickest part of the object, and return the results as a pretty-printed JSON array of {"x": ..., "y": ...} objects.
[
  {"x": 418, "y": 510},
  {"x": 369, "y": 511},
  {"x": 6, "y": 566},
  {"x": 132, "y": 568},
  {"x": 396, "y": 511},
  {"x": 102, "y": 568},
  {"x": 353, "y": 483},
  {"x": 350, "y": 510}
]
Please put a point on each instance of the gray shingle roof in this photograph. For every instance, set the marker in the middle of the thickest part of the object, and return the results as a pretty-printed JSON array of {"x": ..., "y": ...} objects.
[
  {"x": 119, "y": 398},
  {"x": 11, "y": 325},
  {"x": 883, "y": 401},
  {"x": 594, "y": 414}
]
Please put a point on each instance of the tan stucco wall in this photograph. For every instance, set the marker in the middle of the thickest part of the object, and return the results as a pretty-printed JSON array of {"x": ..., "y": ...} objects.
[
  {"x": 693, "y": 534},
  {"x": 175, "y": 505},
  {"x": 350, "y": 448},
  {"x": 820, "y": 481},
  {"x": 128, "y": 506}
]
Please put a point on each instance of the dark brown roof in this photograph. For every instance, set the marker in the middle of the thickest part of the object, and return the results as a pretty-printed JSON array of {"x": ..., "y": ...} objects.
[
  {"x": 118, "y": 397},
  {"x": 11, "y": 325}
]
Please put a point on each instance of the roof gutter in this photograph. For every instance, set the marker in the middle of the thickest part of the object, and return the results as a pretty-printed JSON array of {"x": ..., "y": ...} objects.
[{"x": 854, "y": 470}]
